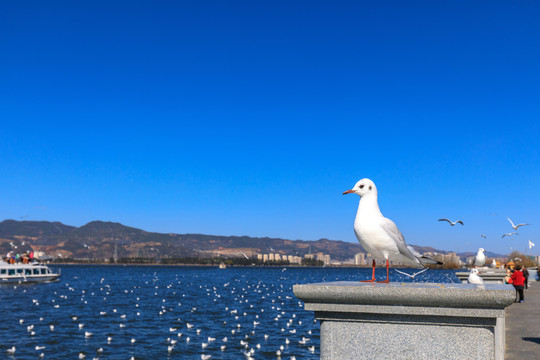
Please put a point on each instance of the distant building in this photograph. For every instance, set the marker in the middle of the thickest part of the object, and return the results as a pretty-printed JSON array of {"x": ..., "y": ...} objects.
[
  {"x": 294, "y": 259},
  {"x": 39, "y": 254},
  {"x": 325, "y": 258},
  {"x": 369, "y": 259},
  {"x": 450, "y": 258},
  {"x": 360, "y": 259}
]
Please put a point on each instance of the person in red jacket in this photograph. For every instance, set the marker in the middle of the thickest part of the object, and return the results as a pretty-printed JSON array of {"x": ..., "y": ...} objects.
[{"x": 518, "y": 280}]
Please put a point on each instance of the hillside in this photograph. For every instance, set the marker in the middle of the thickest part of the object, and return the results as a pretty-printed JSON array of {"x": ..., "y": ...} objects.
[{"x": 98, "y": 239}]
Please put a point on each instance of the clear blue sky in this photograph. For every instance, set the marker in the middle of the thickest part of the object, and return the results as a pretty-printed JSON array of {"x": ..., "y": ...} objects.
[{"x": 252, "y": 117}]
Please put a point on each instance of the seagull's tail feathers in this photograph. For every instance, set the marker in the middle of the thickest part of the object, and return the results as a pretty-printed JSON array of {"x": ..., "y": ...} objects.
[{"x": 424, "y": 260}]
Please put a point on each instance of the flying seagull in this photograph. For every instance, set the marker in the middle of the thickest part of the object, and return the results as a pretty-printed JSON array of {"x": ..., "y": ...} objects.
[
  {"x": 515, "y": 227},
  {"x": 452, "y": 223},
  {"x": 380, "y": 236},
  {"x": 413, "y": 275},
  {"x": 509, "y": 234},
  {"x": 531, "y": 244},
  {"x": 243, "y": 254},
  {"x": 484, "y": 236}
]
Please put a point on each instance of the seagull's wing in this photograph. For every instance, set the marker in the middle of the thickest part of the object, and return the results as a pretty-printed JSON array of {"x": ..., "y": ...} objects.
[
  {"x": 459, "y": 221},
  {"x": 518, "y": 225},
  {"x": 393, "y": 232},
  {"x": 419, "y": 272},
  {"x": 446, "y": 220},
  {"x": 405, "y": 250},
  {"x": 413, "y": 275},
  {"x": 514, "y": 226},
  {"x": 404, "y": 273},
  {"x": 423, "y": 259},
  {"x": 503, "y": 235}
]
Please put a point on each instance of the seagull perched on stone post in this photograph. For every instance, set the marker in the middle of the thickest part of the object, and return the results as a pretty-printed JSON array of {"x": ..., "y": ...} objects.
[
  {"x": 480, "y": 258},
  {"x": 380, "y": 236}
]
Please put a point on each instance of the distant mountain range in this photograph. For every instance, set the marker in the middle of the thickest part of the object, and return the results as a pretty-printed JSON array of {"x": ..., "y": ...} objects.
[{"x": 98, "y": 240}]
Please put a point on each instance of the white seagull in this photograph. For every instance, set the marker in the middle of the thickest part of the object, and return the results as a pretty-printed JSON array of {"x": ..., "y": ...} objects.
[
  {"x": 515, "y": 227},
  {"x": 474, "y": 278},
  {"x": 380, "y": 236},
  {"x": 452, "y": 222},
  {"x": 531, "y": 244},
  {"x": 509, "y": 234},
  {"x": 480, "y": 258},
  {"x": 412, "y": 276}
]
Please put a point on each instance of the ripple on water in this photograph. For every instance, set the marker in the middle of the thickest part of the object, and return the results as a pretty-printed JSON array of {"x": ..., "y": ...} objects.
[{"x": 144, "y": 303}]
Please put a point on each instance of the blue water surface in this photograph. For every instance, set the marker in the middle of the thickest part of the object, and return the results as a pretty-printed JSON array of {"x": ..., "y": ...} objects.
[{"x": 171, "y": 312}]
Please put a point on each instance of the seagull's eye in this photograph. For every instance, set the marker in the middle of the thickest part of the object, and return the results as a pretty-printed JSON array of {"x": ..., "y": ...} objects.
[
  {"x": 369, "y": 187},
  {"x": 361, "y": 186}
]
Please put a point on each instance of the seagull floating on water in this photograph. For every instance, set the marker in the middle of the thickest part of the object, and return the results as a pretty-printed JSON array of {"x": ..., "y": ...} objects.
[
  {"x": 380, "y": 236},
  {"x": 452, "y": 222},
  {"x": 515, "y": 227}
]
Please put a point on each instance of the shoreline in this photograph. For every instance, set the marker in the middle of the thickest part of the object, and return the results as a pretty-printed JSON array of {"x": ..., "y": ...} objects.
[{"x": 232, "y": 266}]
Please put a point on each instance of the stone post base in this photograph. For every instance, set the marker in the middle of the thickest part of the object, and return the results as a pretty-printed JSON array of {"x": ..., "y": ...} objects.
[{"x": 409, "y": 320}]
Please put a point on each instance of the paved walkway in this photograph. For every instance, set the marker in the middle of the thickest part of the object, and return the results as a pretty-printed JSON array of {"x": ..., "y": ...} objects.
[{"x": 523, "y": 326}]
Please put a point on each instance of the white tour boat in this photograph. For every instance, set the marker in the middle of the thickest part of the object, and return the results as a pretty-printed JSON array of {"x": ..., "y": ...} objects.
[{"x": 25, "y": 273}]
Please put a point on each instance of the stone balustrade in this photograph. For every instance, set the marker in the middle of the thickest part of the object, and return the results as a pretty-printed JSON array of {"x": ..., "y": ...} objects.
[{"x": 409, "y": 320}]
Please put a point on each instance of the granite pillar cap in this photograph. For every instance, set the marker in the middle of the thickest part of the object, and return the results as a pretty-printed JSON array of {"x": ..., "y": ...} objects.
[{"x": 488, "y": 296}]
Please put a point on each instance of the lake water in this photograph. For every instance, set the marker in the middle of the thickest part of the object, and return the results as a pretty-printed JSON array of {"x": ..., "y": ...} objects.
[{"x": 120, "y": 312}]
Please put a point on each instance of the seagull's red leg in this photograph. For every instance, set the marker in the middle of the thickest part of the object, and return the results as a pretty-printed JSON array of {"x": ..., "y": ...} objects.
[
  {"x": 387, "y": 273},
  {"x": 372, "y": 275}
]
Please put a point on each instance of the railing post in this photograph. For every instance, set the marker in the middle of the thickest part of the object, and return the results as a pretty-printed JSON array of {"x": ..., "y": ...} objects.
[{"x": 408, "y": 320}]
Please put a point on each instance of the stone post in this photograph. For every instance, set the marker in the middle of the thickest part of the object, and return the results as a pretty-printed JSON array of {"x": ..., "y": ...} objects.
[{"x": 409, "y": 320}]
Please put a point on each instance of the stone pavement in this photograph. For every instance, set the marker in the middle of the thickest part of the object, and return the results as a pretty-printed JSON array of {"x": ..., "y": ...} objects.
[{"x": 523, "y": 326}]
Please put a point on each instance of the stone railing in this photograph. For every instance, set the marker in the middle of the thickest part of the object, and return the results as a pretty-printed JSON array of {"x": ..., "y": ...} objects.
[
  {"x": 489, "y": 276},
  {"x": 494, "y": 276},
  {"x": 409, "y": 320}
]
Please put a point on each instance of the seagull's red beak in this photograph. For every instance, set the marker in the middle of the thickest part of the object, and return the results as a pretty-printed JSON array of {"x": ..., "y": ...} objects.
[{"x": 348, "y": 192}]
